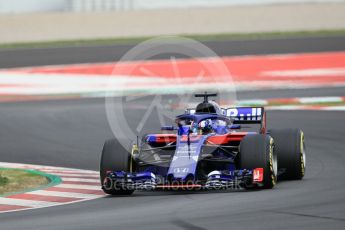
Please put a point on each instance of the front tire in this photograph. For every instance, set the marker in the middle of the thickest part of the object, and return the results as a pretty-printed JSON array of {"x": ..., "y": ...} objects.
[
  {"x": 114, "y": 158},
  {"x": 290, "y": 149},
  {"x": 256, "y": 151}
]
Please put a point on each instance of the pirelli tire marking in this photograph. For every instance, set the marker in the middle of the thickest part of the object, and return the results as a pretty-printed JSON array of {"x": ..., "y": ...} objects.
[{"x": 273, "y": 163}]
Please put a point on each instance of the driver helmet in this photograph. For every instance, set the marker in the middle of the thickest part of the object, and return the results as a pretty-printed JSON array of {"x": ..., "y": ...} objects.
[{"x": 205, "y": 126}]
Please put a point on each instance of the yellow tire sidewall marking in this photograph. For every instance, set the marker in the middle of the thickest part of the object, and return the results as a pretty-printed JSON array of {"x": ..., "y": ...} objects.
[
  {"x": 301, "y": 153},
  {"x": 134, "y": 149},
  {"x": 273, "y": 177}
]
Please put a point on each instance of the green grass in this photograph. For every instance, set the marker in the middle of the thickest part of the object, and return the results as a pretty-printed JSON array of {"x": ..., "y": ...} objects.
[
  {"x": 15, "y": 180},
  {"x": 135, "y": 40},
  {"x": 3, "y": 180}
]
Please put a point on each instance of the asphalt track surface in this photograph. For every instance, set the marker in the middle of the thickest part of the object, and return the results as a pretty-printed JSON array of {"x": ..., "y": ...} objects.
[
  {"x": 107, "y": 53},
  {"x": 71, "y": 133}
]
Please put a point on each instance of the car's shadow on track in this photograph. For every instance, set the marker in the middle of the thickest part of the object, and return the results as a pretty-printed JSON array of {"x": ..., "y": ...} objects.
[{"x": 183, "y": 192}]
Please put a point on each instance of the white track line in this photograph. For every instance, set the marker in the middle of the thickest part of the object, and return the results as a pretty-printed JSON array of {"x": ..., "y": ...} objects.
[
  {"x": 309, "y": 100},
  {"x": 65, "y": 194},
  {"x": 334, "y": 108},
  {"x": 306, "y": 108},
  {"x": 76, "y": 175},
  {"x": 27, "y": 203},
  {"x": 285, "y": 107},
  {"x": 79, "y": 186},
  {"x": 76, "y": 179},
  {"x": 70, "y": 172}
]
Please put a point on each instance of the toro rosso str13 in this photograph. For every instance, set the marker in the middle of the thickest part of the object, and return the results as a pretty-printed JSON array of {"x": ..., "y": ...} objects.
[{"x": 208, "y": 149}]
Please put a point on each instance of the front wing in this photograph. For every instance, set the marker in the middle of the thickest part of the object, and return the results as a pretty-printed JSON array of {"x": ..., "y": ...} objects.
[{"x": 148, "y": 181}]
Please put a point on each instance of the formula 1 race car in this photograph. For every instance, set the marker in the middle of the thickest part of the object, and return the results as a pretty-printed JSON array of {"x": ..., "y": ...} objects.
[{"x": 208, "y": 149}]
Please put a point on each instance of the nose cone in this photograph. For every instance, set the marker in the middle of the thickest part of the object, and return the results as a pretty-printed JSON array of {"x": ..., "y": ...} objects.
[{"x": 185, "y": 160}]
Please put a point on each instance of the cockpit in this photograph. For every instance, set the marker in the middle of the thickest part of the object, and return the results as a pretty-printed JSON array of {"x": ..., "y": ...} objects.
[
  {"x": 207, "y": 117},
  {"x": 218, "y": 125}
]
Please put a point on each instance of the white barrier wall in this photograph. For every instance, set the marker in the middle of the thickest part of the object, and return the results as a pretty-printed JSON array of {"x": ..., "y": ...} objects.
[
  {"x": 159, "y": 4},
  {"x": 145, "y": 23},
  {"x": 25, "y": 6},
  {"x": 99, "y": 5}
]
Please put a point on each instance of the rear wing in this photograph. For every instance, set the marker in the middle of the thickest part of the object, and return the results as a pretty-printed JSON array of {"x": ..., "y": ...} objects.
[
  {"x": 247, "y": 115},
  {"x": 243, "y": 115}
]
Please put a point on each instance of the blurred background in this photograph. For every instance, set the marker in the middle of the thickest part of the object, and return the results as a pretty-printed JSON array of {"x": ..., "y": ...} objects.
[
  {"x": 17, "y": 6},
  {"x": 40, "y": 20}
]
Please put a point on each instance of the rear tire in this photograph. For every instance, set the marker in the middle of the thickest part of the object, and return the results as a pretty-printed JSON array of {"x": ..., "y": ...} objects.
[
  {"x": 290, "y": 149},
  {"x": 256, "y": 151},
  {"x": 114, "y": 158}
]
